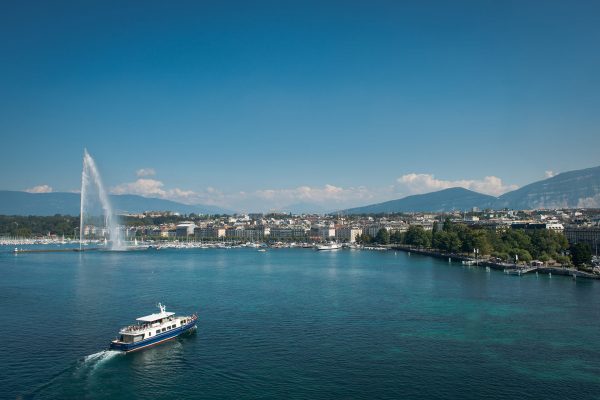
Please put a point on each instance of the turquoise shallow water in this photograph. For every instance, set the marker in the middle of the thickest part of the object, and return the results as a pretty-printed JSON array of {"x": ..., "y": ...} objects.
[{"x": 295, "y": 323}]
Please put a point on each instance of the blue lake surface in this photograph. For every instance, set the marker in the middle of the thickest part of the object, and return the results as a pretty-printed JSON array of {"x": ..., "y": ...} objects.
[{"x": 296, "y": 324}]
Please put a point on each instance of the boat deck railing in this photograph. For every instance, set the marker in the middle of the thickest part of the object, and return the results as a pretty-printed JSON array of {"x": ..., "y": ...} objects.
[
  {"x": 143, "y": 327},
  {"x": 135, "y": 328}
]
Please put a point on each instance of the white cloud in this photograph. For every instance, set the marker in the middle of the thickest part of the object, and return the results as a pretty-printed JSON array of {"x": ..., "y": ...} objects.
[
  {"x": 326, "y": 197},
  {"x": 423, "y": 183},
  {"x": 154, "y": 188},
  {"x": 265, "y": 199},
  {"x": 589, "y": 202},
  {"x": 145, "y": 172},
  {"x": 40, "y": 189},
  {"x": 328, "y": 194},
  {"x": 549, "y": 174}
]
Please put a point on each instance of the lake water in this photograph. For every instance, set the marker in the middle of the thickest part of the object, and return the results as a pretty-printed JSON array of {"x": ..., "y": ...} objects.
[{"x": 294, "y": 324}]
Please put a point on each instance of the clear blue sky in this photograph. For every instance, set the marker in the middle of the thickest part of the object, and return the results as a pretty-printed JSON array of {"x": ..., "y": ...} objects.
[{"x": 254, "y": 96}]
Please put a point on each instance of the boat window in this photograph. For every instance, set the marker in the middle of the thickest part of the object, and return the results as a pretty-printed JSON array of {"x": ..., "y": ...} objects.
[
  {"x": 164, "y": 329},
  {"x": 158, "y": 331}
]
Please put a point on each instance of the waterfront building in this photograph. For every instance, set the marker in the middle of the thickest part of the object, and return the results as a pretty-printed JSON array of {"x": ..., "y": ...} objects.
[
  {"x": 213, "y": 232},
  {"x": 323, "y": 232},
  {"x": 554, "y": 226},
  {"x": 347, "y": 234},
  {"x": 248, "y": 233},
  {"x": 292, "y": 232},
  {"x": 372, "y": 229},
  {"x": 185, "y": 229},
  {"x": 581, "y": 234}
]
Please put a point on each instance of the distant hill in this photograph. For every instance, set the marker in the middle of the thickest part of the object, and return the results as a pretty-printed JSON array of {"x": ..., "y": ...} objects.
[
  {"x": 444, "y": 200},
  {"x": 23, "y": 203},
  {"x": 573, "y": 189},
  {"x": 305, "y": 208}
]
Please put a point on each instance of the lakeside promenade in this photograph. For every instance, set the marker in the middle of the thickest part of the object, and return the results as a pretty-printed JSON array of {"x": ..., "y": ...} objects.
[{"x": 507, "y": 267}]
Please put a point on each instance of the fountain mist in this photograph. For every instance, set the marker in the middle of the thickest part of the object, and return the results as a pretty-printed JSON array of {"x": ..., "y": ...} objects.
[{"x": 91, "y": 176}]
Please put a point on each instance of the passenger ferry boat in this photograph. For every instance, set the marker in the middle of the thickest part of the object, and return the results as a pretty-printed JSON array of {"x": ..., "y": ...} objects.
[
  {"x": 152, "y": 329},
  {"x": 329, "y": 246}
]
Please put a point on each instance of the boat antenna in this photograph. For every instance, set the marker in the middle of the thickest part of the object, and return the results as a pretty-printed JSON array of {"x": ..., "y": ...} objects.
[{"x": 162, "y": 308}]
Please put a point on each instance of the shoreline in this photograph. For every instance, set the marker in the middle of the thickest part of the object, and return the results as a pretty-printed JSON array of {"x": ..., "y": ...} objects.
[{"x": 506, "y": 267}]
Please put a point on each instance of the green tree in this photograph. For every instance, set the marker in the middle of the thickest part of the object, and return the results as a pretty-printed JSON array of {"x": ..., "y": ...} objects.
[
  {"x": 476, "y": 239},
  {"x": 547, "y": 242},
  {"x": 524, "y": 255},
  {"x": 581, "y": 253},
  {"x": 564, "y": 260},
  {"x": 383, "y": 236},
  {"x": 417, "y": 236},
  {"x": 365, "y": 238},
  {"x": 396, "y": 237},
  {"x": 449, "y": 226},
  {"x": 447, "y": 241}
]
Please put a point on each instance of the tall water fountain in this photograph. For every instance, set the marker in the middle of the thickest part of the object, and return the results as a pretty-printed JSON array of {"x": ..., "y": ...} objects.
[{"x": 92, "y": 190}]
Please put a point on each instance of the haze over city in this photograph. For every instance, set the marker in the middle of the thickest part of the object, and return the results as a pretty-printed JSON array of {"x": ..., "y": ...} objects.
[{"x": 334, "y": 105}]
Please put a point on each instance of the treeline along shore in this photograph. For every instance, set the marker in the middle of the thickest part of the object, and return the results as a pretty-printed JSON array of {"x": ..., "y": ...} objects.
[
  {"x": 495, "y": 264},
  {"x": 494, "y": 248},
  {"x": 446, "y": 238}
]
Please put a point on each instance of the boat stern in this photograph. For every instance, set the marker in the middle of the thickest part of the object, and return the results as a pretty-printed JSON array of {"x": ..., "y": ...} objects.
[{"x": 117, "y": 345}]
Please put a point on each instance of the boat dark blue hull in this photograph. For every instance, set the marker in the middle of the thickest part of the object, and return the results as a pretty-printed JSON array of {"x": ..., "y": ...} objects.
[{"x": 154, "y": 340}]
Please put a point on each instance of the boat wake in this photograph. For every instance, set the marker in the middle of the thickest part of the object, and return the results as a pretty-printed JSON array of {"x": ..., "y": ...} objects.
[
  {"x": 93, "y": 361},
  {"x": 78, "y": 372}
]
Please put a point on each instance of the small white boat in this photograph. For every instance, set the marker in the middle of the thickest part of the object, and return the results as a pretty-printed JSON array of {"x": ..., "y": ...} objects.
[{"x": 329, "y": 246}]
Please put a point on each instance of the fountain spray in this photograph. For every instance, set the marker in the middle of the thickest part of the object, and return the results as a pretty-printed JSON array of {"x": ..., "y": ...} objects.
[{"x": 90, "y": 175}]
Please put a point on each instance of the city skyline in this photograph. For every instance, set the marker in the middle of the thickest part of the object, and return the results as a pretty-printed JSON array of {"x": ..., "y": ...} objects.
[{"x": 338, "y": 105}]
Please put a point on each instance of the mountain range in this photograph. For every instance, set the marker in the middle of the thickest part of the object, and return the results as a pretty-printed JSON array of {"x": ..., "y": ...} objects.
[
  {"x": 23, "y": 203},
  {"x": 573, "y": 189}
]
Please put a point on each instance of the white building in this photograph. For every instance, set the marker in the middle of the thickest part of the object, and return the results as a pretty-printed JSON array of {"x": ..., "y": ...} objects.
[
  {"x": 347, "y": 234},
  {"x": 185, "y": 229},
  {"x": 323, "y": 232},
  {"x": 292, "y": 232},
  {"x": 210, "y": 232},
  {"x": 248, "y": 233}
]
